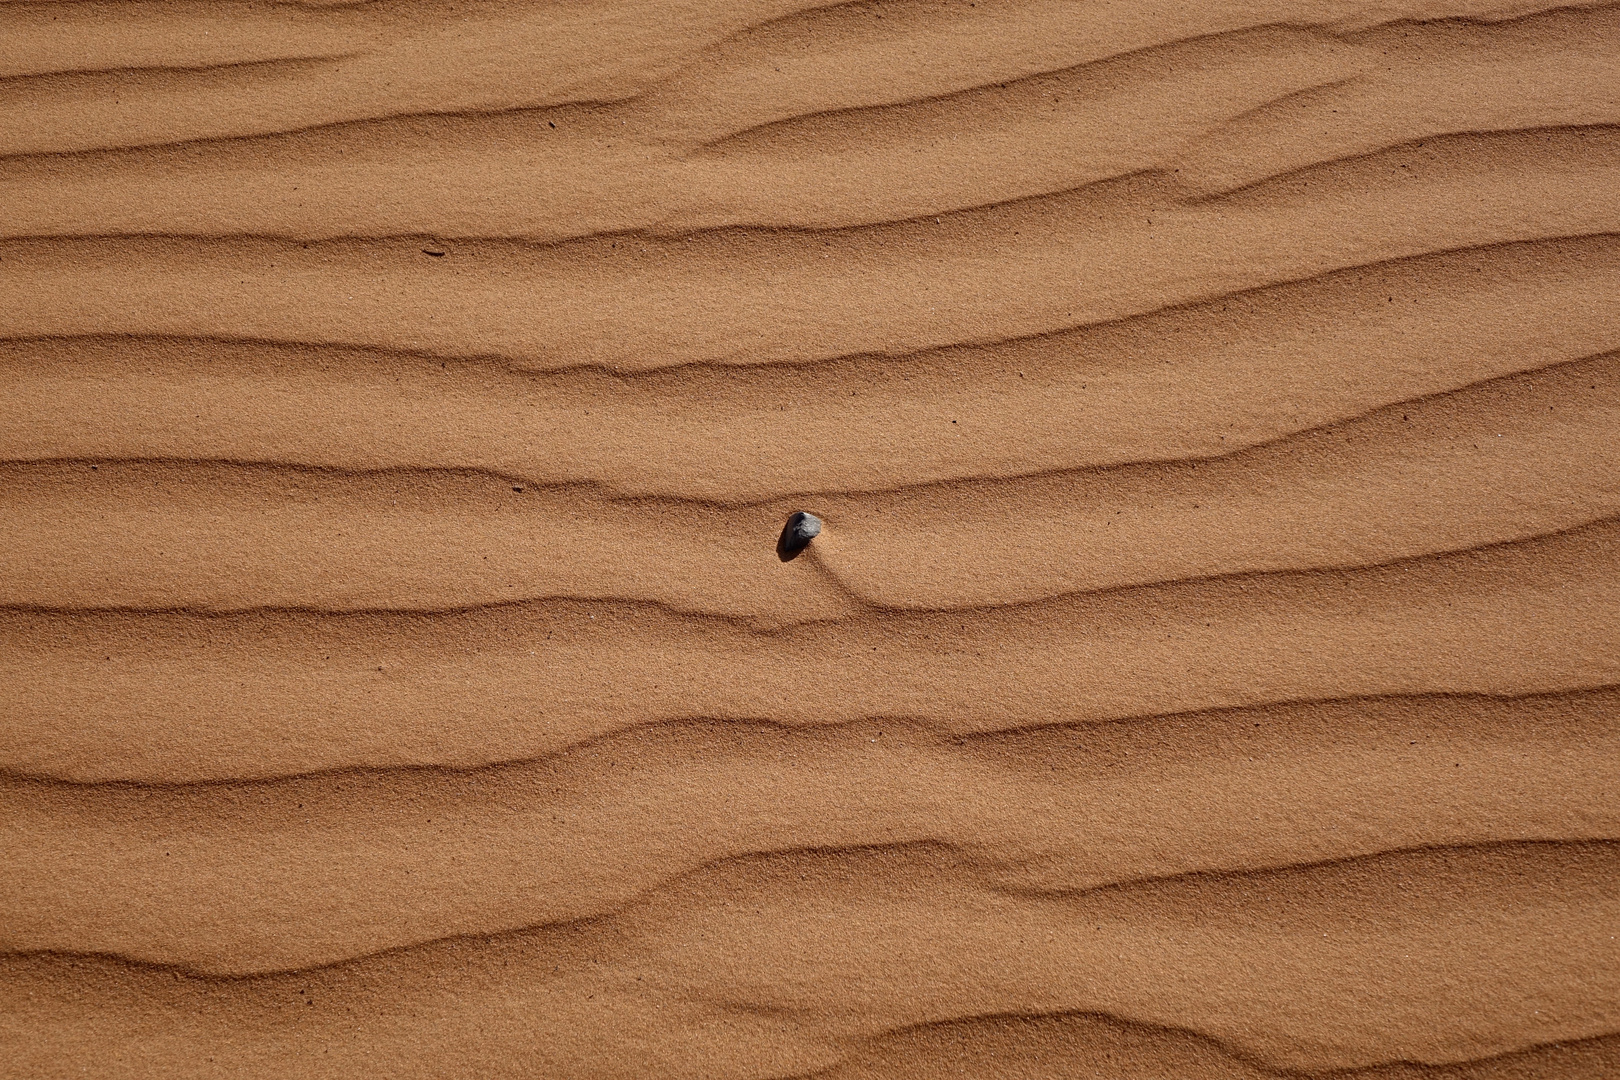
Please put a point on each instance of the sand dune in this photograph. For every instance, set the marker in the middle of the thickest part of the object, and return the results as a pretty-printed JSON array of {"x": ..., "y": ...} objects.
[
  {"x": 174, "y": 696},
  {"x": 793, "y": 297},
  {"x": 1194, "y": 382},
  {"x": 1211, "y": 114},
  {"x": 185, "y": 75},
  {"x": 1458, "y": 944},
  {"x": 405, "y": 856},
  {"x": 1493, "y": 463},
  {"x": 1209, "y": 665}
]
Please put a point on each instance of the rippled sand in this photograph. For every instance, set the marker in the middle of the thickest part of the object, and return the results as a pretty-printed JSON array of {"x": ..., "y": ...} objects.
[{"x": 1210, "y": 666}]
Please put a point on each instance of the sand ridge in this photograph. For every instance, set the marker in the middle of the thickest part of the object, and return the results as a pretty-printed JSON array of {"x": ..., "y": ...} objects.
[{"x": 1209, "y": 666}]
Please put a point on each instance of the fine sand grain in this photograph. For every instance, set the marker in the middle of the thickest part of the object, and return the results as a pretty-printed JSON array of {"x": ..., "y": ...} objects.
[{"x": 1208, "y": 667}]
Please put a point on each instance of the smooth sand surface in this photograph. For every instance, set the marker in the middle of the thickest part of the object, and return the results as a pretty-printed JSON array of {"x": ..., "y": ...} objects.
[{"x": 1209, "y": 666}]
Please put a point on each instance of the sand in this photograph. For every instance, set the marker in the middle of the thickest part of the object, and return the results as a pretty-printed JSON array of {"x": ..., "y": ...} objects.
[{"x": 1209, "y": 666}]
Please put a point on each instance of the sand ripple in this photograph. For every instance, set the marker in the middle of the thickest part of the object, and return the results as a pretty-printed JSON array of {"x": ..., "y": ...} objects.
[{"x": 1210, "y": 666}]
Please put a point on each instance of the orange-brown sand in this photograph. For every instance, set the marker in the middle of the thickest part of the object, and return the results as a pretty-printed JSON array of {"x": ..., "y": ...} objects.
[{"x": 1209, "y": 666}]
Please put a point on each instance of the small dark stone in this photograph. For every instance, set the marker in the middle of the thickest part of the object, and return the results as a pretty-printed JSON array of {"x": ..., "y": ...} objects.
[
  {"x": 801, "y": 528},
  {"x": 804, "y": 527}
]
